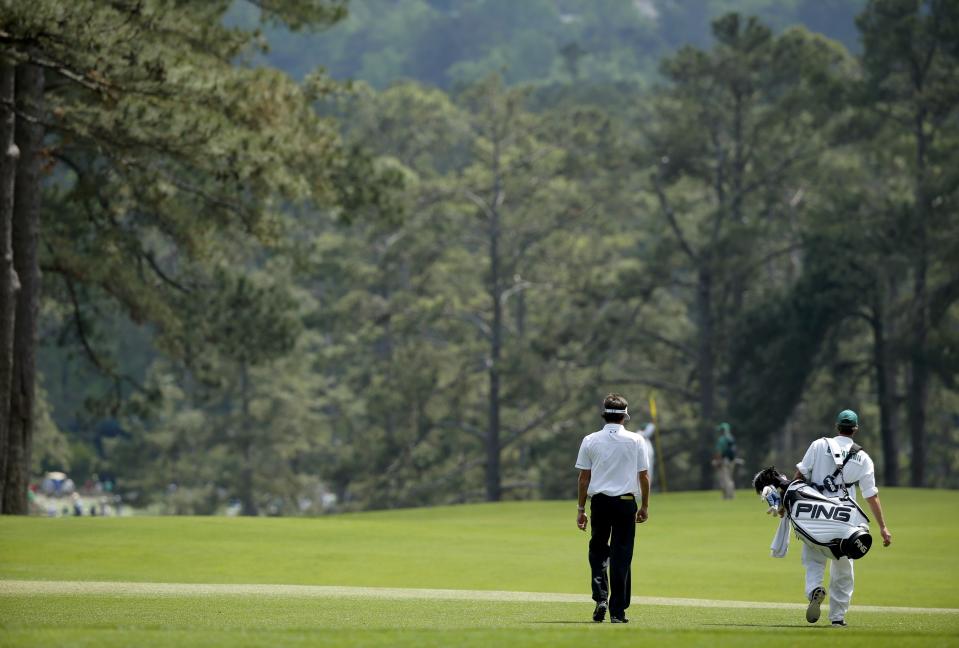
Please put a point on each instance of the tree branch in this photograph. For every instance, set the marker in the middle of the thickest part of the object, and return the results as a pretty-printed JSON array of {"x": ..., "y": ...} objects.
[
  {"x": 479, "y": 202},
  {"x": 151, "y": 261},
  {"x": 88, "y": 347},
  {"x": 25, "y": 57},
  {"x": 518, "y": 433},
  {"x": 673, "y": 344},
  {"x": 652, "y": 382},
  {"x": 671, "y": 216}
]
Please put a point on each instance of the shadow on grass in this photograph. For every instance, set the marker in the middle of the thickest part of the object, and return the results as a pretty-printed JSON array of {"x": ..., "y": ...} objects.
[
  {"x": 718, "y": 625},
  {"x": 761, "y": 625}
]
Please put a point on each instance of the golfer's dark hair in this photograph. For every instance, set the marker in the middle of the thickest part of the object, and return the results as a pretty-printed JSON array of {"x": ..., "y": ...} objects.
[
  {"x": 846, "y": 429},
  {"x": 614, "y": 401}
]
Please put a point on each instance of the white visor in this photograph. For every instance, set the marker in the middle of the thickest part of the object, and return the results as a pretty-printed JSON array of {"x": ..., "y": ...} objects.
[{"x": 624, "y": 412}]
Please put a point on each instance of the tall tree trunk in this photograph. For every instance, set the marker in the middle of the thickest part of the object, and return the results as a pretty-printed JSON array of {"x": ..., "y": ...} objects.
[
  {"x": 247, "y": 498},
  {"x": 26, "y": 225},
  {"x": 918, "y": 384},
  {"x": 734, "y": 371},
  {"x": 705, "y": 368},
  {"x": 493, "y": 477},
  {"x": 8, "y": 276},
  {"x": 886, "y": 395}
]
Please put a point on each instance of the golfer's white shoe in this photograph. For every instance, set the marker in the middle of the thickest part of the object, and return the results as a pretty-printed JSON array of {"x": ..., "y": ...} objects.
[{"x": 815, "y": 599}]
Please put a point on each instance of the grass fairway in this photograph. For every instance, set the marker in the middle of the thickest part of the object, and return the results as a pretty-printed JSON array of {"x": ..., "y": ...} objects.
[{"x": 694, "y": 546}]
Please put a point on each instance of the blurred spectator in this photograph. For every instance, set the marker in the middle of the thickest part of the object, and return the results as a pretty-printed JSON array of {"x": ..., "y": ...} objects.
[{"x": 725, "y": 460}]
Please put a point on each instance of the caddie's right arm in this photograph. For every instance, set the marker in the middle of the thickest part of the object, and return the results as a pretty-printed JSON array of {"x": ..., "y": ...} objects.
[{"x": 876, "y": 507}]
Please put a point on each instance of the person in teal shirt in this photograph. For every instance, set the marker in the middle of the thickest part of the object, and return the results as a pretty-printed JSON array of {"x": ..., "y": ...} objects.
[{"x": 725, "y": 460}]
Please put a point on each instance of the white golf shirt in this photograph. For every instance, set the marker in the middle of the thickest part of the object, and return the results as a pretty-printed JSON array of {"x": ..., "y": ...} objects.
[
  {"x": 615, "y": 456},
  {"x": 818, "y": 463}
]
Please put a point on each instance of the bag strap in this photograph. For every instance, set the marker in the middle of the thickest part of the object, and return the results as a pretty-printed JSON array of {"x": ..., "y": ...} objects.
[
  {"x": 832, "y": 449},
  {"x": 853, "y": 450}
]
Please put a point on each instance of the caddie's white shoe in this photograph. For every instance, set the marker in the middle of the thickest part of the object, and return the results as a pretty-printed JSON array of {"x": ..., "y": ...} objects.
[
  {"x": 815, "y": 599},
  {"x": 840, "y": 623}
]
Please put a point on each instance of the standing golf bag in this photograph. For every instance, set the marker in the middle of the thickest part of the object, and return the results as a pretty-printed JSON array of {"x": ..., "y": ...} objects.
[{"x": 834, "y": 526}]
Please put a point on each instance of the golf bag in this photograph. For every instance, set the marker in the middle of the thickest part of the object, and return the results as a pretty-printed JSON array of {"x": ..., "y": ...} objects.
[{"x": 834, "y": 526}]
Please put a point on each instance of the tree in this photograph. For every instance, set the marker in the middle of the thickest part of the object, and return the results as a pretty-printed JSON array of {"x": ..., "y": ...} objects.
[
  {"x": 445, "y": 325},
  {"x": 29, "y": 134},
  {"x": 911, "y": 66},
  {"x": 8, "y": 277},
  {"x": 734, "y": 133},
  {"x": 522, "y": 212},
  {"x": 235, "y": 420},
  {"x": 164, "y": 158}
]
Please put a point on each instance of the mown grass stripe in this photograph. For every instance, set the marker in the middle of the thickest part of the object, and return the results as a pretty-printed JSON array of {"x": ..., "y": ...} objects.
[{"x": 111, "y": 588}]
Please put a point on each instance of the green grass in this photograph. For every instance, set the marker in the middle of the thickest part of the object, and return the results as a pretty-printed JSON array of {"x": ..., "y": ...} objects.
[
  {"x": 116, "y": 621},
  {"x": 693, "y": 546}
]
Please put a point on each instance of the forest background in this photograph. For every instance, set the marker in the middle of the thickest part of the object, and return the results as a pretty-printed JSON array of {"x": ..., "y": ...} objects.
[{"x": 300, "y": 257}]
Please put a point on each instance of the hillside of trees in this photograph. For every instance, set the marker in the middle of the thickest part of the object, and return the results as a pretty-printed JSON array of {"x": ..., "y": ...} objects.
[
  {"x": 408, "y": 277},
  {"x": 452, "y": 43}
]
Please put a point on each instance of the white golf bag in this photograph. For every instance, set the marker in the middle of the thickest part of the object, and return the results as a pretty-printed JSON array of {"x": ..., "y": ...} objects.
[{"x": 835, "y": 526}]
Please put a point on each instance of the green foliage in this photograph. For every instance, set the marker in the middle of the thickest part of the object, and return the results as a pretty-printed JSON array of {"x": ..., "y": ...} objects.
[
  {"x": 51, "y": 449},
  {"x": 793, "y": 326},
  {"x": 388, "y": 294},
  {"x": 453, "y": 44},
  {"x": 173, "y": 172},
  {"x": 171, "y": 160},
  {"x": 732, "y": 144}
]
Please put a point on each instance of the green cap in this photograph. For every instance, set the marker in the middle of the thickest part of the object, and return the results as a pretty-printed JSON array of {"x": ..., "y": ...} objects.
[
  {"x": 723, "y": 427},
  {"x": 847, "y": 418}
]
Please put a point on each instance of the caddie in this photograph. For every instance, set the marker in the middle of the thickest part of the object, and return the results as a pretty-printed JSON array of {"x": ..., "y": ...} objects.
[
  {"x": 835, "y": 466},
  {"x": 613, "y": 471}
]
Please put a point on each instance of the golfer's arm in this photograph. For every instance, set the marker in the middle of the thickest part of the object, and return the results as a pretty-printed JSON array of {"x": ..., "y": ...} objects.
[
  {"x": 876, "y": 507},
  {"x": 644, "y": 487},
  {"x": 583, "y": 487}
]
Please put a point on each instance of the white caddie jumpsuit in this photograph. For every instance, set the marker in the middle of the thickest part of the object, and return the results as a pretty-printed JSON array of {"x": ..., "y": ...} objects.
[{"x": 816, "y": 466}]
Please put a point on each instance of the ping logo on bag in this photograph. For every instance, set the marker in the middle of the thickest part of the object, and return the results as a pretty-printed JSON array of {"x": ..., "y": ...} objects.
[{"x": 826, "y": 511}]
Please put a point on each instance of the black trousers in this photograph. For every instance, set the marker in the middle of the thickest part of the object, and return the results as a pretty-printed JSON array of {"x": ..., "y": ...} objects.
[{"x": 613, "y": 525}]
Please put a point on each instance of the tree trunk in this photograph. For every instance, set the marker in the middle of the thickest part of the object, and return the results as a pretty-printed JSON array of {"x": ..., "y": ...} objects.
[
  {"x": 26, "y": 225},
  {"x": 247, "y": 498},
  {"x": 918, "y": 384},
  {"x": 734, "y": 372},
  {"x": 8, "y": 276},
  {"x": 705, "y": 366},
  {"x": 493, "y": 477},
  {"x": 886, "y": 395}
]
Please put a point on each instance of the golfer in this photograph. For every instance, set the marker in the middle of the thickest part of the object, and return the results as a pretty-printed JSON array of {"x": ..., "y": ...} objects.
[{"x": 613, "y": 471}]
